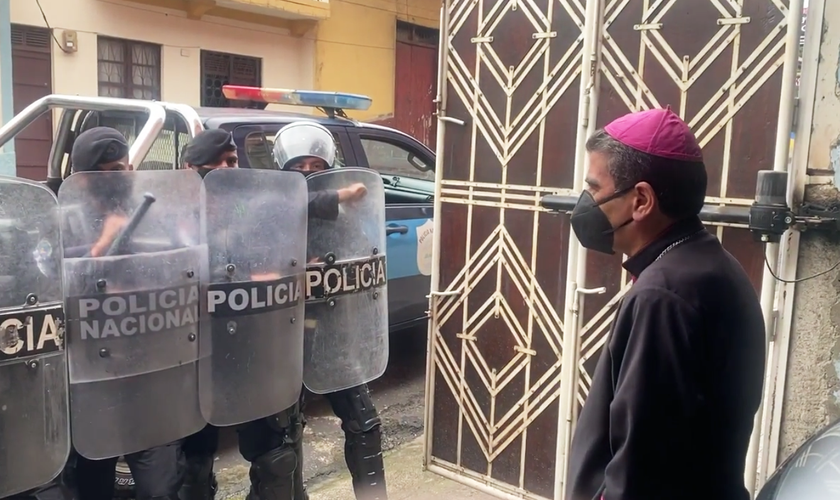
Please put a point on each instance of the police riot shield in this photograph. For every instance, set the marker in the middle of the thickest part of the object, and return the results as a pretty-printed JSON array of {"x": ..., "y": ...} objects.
[
  {"x": 34, "y": 431},
  {"x": 132, "y": 261},
  {"x": 346, "y": 339},
  {"x": 254, "y": 226}
]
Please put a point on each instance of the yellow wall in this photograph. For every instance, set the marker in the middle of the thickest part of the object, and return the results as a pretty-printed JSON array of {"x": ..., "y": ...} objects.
[
  {"x": 353, "y": 50},
  {"x": 287, "y": 60},
  {"x": 355, "y": 47}
]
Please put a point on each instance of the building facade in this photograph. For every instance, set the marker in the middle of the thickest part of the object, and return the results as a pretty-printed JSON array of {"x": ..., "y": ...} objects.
[{"x": 185, "y": 50}]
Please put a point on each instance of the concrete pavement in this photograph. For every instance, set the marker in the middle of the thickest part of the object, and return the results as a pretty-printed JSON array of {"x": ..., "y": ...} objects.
[
  {"x": 406, "y": 480},
  {"x": 404, "y": 473}
]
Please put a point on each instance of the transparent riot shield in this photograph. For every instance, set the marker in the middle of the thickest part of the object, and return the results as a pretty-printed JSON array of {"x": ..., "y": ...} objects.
[
  {"x": 34, "y": 431},
  {"x": 254, "y": 226},
  {"x": 346, "y": 339},
  {"x": 132, "y": 262}
]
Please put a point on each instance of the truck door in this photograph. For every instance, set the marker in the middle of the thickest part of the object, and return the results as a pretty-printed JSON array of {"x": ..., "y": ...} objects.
[{"x": 407, "y": 169}]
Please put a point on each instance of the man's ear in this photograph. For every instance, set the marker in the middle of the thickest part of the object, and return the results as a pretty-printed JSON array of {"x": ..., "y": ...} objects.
[{"x": 645, "y": 201}]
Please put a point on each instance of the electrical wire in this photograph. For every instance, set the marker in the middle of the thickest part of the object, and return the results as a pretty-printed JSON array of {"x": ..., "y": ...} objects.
[
  {"x": 52, "y": 33},
  {"x": 798, "y": 280}
]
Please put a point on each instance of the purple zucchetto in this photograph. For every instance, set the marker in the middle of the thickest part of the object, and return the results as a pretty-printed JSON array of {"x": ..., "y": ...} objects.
[{"x": 657, "y": 132}]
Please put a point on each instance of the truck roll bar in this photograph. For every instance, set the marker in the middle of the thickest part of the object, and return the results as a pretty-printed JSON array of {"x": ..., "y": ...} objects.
[{"x": 141, "y": 146}]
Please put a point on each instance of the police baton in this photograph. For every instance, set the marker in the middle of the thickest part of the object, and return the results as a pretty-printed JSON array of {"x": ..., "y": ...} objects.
[{"x": 125, "y": 235}]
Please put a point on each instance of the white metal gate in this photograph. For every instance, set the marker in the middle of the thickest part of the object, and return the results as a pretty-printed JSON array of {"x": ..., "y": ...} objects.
[{"x": 523, "y": 84}]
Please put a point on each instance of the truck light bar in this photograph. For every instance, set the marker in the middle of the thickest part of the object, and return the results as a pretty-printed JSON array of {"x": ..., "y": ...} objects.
[{"x": 313, "y": 98}]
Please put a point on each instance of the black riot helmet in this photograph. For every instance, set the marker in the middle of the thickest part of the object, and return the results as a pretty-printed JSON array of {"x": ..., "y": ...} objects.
[
  {"x": 299, "y": 142},
  {"x": 209, "y": 150},
  {"x": 104, "y": 149},
  {"x": 100, "y": 148}
]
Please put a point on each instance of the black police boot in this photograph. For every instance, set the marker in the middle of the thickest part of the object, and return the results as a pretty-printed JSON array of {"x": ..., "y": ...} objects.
[
  {"x": 252, "y": 492},
  {"x": 363, "y": 454},
  {"x": 272, "y": 475},
  {"x": 53, "y": 491},
  {"x": 199, "y": 480},
  {"x": 295, "y": 438}
]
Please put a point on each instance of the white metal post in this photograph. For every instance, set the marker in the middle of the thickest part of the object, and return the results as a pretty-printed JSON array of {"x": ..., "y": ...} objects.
[
  {"x": 443, "y": 53},
  {"x": 777, "y": 364},
  {"x": 576, "y": 264},
  {"x": 769, "y": 284}
]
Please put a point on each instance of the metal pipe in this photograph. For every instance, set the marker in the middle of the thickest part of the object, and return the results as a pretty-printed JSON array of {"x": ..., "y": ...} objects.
[
  {"x": 436, "y": 224},
  {"x": 768, "y": 282},
  {"x": 576, "y": 264},
  {"x": 141, "y": 146},
  {"x": 710, "y": 213}
]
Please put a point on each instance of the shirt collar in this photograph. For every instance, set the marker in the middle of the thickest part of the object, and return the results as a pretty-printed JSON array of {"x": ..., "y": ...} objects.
[{"x": 639, "y": 262}]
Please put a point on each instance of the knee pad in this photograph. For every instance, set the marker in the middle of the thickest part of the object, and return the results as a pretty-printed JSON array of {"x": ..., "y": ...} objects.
[
  {"x": 356, "y": 410},
  {"x": 273, "y": 474}
]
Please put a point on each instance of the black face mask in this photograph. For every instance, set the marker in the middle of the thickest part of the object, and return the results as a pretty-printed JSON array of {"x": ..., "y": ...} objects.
[
  {"x": 112, "y": 191},
  {"x": 591, "y": 225},
  {"x": 202, "y": 171}
]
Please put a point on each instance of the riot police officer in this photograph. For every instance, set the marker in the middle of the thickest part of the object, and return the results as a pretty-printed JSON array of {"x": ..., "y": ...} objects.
[
  {"x": 155, "y": 471},
  {"x": 308, "y": 147},
  {"x": 267, "y": 443},
  {"x": 105, "y": 149}
]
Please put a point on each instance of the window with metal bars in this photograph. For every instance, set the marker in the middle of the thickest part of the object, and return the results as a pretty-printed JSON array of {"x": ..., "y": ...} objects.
[
  {"x": 218, "y": 69},
  {"x": 128, "y": 69}
]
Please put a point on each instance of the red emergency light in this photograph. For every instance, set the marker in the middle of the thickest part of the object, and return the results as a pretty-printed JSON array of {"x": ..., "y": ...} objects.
[{"x": 313, "y": 98}]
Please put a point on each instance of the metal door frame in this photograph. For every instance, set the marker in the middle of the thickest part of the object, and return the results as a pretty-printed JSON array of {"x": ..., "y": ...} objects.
[{"x": 764, "y": 448}]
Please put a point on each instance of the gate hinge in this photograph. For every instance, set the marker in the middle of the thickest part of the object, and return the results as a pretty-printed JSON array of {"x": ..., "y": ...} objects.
[{"x": 774, "y": 326}]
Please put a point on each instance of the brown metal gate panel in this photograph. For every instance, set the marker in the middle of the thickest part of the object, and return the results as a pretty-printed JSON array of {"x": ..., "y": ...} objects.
[
  {"x": 499, "y": 344},
  {"x": 513, "y": 76}
]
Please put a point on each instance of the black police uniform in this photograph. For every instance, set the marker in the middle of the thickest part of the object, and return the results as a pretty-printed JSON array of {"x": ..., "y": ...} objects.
[
  {"x": 359, "y": 419},
  {"x": 270, "y": 443},
  {"x": 155, "y": 470}
]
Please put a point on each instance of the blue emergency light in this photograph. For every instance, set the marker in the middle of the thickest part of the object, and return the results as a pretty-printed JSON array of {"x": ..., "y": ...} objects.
[{"x": 313, "y": 98}]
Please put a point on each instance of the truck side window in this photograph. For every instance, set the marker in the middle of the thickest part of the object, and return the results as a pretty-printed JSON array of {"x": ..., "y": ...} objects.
[
  {"x": 391, "y": 159},
  {"x": 259, "y": 148}
]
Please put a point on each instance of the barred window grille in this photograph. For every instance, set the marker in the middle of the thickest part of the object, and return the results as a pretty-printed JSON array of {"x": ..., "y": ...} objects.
[
  {"x": 129, "y": 69},
  {"x": 218, "y": 69}
]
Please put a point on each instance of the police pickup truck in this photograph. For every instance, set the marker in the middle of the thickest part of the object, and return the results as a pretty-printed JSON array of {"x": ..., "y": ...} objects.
[{"x": 405, "y": 164}]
